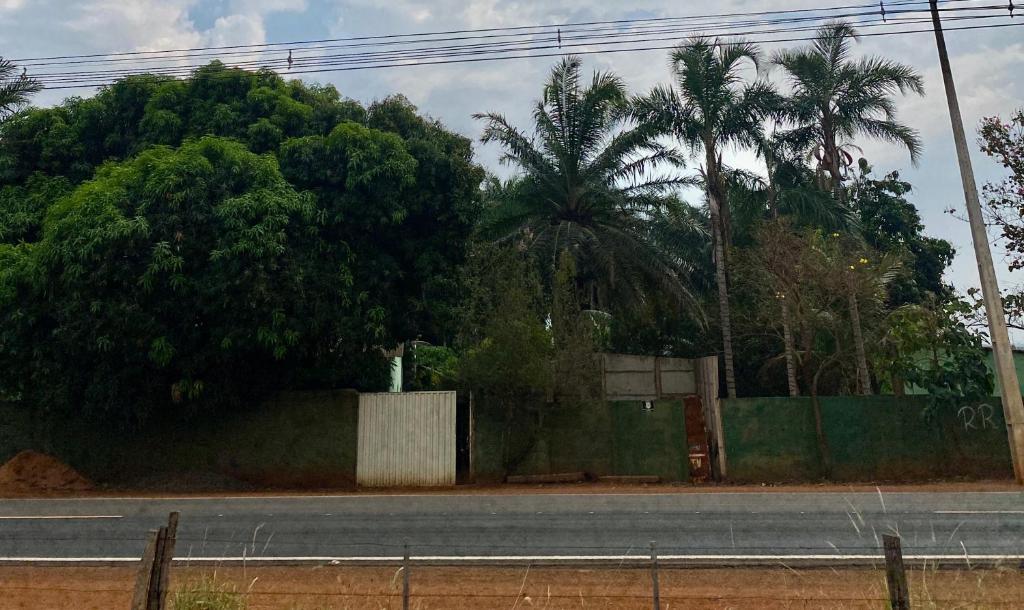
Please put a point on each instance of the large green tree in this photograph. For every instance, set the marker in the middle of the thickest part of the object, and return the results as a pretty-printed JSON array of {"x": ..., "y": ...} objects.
[
  {"x": 890, "y": 223},
  {"x": 408, "y": 229},
  {"x": 184, "y": 276},
  {"x": 590, "y": 180},
  {"x": 712, "y": 107},
  {"x": 388, "y": 201},
  {"x": 836, "y": 99}
]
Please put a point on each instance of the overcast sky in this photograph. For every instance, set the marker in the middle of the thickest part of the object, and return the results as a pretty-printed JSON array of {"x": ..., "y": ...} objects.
[{"x": 988, "y": 64}]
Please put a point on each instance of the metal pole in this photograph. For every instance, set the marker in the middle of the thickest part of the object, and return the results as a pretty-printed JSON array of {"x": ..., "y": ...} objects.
[
  {"x": 654, "y": 576},
  {"x": 1006, "y": 374}
]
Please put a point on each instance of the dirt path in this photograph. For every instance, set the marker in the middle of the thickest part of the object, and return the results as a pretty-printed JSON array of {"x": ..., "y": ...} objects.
[{"x": 338, "y": 588}]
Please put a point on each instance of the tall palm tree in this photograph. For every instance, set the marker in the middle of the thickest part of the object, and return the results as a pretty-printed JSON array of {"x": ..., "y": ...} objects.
[
  {"x": 590, "y": 182},
  {"x": 710, "y": 107},
  {"x": 835, "y": 99},
  {"x": 15, "y": 89}
]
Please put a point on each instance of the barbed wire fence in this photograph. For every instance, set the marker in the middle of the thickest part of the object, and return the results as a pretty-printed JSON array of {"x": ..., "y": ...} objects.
[{"x": 646, "y": 585}]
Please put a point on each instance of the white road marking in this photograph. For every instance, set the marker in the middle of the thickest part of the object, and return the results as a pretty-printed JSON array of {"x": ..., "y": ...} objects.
[
  {"x": 458, "y": 494},
  {"x": 531, "y": 558},
  {"x": 59, "y": 517},
  {"x": 979, "y": 512}
]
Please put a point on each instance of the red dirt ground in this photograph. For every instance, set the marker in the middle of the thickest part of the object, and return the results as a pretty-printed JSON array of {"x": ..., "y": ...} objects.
[
  {"x": 435, "y": 588},
  {"x": 31, "y": 472}
]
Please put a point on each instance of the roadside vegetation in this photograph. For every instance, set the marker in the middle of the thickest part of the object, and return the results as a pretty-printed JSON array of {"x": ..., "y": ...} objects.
[
  {"x": 177, "y": 246},
  {"x": 207, "y": 593}
]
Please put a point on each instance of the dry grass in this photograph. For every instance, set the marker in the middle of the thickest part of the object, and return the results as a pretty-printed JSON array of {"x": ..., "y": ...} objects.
[{"x": 437, "y": 588}]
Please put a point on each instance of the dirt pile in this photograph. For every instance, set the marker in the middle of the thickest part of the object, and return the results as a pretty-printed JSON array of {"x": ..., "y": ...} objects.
[{"x": 31, "y": 471}]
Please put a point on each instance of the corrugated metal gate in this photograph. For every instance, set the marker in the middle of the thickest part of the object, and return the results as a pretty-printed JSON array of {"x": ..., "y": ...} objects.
[{"x": 406, "y": 440}]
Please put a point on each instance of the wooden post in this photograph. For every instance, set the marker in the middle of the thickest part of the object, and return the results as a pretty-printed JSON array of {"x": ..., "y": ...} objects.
[
  {"x": 896, "y": 574},
  {"x": 162, "y": 569},
  {"x": 1002, "y": 349},
  {"x": 654, "y": 576},
  {"x": 405, "y": 578},
  {"x": 140, "y": 597},
  {"x": 152, "y": 582}
]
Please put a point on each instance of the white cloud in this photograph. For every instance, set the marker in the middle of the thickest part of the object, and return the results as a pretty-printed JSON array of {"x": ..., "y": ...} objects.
[
  {"x": 263, "y": 7},
  {"x": 983, "y": 88},
  {"x": 236, "y": 30},
  {"x": 11, "y": 5},
  {"x": 142, "y": 25}
]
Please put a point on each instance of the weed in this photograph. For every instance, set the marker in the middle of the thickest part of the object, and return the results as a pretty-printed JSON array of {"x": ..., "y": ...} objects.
[{"x": 208, "y": 594}]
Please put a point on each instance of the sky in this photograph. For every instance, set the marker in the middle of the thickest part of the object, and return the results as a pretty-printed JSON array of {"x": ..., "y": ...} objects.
[{"x": 988, "y": 67}]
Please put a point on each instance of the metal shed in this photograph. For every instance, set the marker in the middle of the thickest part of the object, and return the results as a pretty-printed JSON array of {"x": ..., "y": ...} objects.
[{"x": 406, "y": 440}]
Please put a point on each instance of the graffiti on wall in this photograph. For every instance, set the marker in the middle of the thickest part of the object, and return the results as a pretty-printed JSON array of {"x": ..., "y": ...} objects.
[{"x": 977, "y": 418}]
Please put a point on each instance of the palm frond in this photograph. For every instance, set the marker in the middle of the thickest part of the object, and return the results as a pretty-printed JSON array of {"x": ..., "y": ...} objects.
[
  {"x": 896, "y": 133},
  {"x": 594, "y": 175},
  {"x": 15, "y": 89}
]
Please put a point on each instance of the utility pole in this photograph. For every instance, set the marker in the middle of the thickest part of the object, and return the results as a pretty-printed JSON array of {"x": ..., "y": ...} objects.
[{"x": 1006, "y": 374}]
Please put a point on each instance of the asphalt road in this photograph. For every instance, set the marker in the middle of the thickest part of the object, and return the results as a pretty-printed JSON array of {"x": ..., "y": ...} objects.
[{"x": 371, "y": 527}]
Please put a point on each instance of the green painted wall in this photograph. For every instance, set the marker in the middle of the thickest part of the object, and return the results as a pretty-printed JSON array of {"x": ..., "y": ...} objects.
[
  {"x": 302, "y": 439},
  {"x": 599, "y": 438},
  {"x": 1018, "y": 362},
  {"x": 309, "y": 440},
  {"x": 870, "y": 439}
]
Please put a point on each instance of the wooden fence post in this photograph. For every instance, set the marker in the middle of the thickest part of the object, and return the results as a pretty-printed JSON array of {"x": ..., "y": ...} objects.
[
  {"x": 140, "y": 597},
  {"x": 152, "y": 581},
  {"x": 404, "y": 579},
  {"x": 895, "y": 573},
  {"x": 162, "y": 568},
  {"x": 654, "y": 576}
]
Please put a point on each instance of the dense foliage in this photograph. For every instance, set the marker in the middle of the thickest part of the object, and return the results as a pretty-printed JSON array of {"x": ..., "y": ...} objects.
[
  {"x": 182, "y": 244},
  {"x": 591, "y": 182},
  {"x": 205, "y": 240},
  {"x": 888, "y": 222}
]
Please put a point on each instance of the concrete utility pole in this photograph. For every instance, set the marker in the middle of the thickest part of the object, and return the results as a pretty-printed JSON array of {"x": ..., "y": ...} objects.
[{"x": 1013, "y": 408}]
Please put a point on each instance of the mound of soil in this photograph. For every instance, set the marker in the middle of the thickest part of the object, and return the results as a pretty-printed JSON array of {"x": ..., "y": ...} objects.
[{"x": 31, "y": 471}]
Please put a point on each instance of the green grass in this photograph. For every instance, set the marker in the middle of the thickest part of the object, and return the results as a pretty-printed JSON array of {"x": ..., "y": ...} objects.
[{"x": 208, "y": 594}]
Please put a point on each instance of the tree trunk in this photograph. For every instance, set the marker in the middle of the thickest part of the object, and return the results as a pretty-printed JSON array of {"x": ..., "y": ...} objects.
[
  {"x": 723, "y": 294},
  {"x": 787, "y": 327},
  {"x": 787, "y": 336},
  {"x": 836, "y": 171},
  {"x": 863, "y": 376}
]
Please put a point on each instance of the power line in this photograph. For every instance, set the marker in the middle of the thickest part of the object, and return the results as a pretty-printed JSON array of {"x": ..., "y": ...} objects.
[
  {"x": 563, "y": 40},
  {"x": 543, "y": 43},
  {"x": 552, "y": 35},
  {"x": 551, "y": 31},
  {"x": 419, "y": 63},
  {"x": 492, "y": 51},
  {"x": 446, "y": 51},
  {"x": 26, "y": 60}
]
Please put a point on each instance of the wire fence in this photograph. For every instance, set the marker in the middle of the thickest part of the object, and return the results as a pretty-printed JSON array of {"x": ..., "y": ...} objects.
[
  {"x": 259, "y": 565},
  {"x": 430, "y": 589}
]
